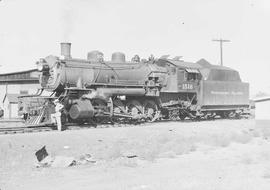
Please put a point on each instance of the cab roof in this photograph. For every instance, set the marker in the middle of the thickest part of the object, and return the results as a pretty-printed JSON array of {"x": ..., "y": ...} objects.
[{"x": 208, "y": 71}]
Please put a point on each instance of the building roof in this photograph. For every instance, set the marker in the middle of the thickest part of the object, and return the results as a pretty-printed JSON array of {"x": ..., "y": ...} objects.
[
  {"x": 22, "y": 77},
  {"x": 12, "y": 98},
  {"x": 18, "y": 72}
]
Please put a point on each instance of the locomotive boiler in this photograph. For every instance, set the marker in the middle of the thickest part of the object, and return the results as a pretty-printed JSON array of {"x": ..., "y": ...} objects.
[{"x": 96, "y": 90}]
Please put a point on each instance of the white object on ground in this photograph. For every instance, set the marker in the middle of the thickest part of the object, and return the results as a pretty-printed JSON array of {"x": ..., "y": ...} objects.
[{"x": 63, "y": 161}]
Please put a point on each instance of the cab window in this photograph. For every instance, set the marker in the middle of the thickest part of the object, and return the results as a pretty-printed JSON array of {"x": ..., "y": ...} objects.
[
  {"x": 181, "y": 75},
  {"x": 192, "y": 76}
]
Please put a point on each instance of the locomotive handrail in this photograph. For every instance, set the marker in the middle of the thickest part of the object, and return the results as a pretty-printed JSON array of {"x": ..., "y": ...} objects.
[
  {"x": 123, "y": 85},
  {"x": 127, "y": 67},
  {"x": 76, "y": 88}
]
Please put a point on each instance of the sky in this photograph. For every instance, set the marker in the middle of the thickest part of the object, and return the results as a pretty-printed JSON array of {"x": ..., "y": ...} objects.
[{"x": 32, "y": 29}]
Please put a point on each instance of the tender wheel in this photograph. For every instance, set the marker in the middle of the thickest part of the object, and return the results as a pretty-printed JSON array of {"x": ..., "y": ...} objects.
[
  {"x": 182, "y": 116},
  {"x": 174, "y": 115},
  {"x": 224, "y": 115},
  {"x": 149, "y": 109}
]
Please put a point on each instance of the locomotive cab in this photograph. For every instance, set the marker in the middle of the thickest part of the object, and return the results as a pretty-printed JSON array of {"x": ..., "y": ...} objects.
[
  {"x": 182, "y": 76},
  {"x": 188, "y": 79},
  {"x": 182, "y": 87}
]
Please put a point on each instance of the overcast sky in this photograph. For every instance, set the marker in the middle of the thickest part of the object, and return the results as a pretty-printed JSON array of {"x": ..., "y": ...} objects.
[{"x": 31, "y": 29}]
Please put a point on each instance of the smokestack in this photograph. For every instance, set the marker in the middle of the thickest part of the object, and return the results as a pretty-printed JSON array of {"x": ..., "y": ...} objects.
[{"x": 65, "y": 50}]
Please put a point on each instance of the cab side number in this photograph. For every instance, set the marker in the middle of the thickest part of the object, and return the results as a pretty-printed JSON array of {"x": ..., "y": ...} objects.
[{"x": 187, "y": 86}]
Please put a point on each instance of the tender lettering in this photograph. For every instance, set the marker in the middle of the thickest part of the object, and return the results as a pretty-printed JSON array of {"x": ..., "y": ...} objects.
[{"x": 226, "y": 93}]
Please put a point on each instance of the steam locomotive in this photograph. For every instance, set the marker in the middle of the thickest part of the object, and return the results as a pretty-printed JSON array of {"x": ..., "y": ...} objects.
[{"x": 96, "y": 90}]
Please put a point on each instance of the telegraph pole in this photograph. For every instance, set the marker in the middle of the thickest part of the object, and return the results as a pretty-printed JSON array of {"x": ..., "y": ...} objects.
[{"x": 221, "y": 44}]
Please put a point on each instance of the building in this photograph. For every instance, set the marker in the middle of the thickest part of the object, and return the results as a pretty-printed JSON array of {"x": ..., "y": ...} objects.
[
  {"x": 262, "y": 111},
  {"x": 10, "y": 106},
  {"x": 16, "y": 84}
]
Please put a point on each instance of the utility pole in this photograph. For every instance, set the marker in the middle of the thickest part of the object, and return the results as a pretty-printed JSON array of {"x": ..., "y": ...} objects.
[{"x": 221, "y": 44}]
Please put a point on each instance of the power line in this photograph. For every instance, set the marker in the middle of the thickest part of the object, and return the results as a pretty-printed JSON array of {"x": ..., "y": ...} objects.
[{"x": 221, "y": 45}]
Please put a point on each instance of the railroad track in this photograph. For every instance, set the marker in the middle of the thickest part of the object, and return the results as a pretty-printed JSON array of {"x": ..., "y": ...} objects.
[
  {"x": 23, "y": 129},
  {"x": 44, "y": 128},
  {"x": 33, "y": 129}
]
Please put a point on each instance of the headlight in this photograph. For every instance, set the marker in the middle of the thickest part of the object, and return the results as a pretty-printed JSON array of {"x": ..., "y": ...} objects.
[
  {"x": 39, "y": 67},
  {"x": 40, "y": 64},
  {"x": 43, "y": 67}
]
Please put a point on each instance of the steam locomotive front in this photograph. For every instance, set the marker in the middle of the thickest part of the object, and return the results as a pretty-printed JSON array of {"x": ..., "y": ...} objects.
[
  {"x": 60, "y": 72},
  {"x": 50, "y": 68},
  {"x": 91, "y": 82}
]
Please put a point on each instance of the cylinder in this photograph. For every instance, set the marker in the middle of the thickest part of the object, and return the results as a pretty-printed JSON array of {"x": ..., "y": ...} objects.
[
  {"x": 65, "y": 50},
  {"x": 82, "y": 109}
]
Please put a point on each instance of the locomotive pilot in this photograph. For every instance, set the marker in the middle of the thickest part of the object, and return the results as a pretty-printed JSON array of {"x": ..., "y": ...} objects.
[{"x": 56, "y": 117}]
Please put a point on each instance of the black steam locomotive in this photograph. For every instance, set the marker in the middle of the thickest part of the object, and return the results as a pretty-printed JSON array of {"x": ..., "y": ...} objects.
[{"x": 96, "y": 90}]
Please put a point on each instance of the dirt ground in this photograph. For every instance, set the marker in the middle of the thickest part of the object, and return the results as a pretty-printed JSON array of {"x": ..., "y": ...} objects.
[{"x": 222, "y": 154}]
